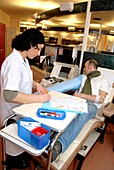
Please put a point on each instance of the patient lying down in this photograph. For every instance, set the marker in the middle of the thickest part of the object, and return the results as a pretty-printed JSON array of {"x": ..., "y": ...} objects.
[{"x": 94, "y": 88}]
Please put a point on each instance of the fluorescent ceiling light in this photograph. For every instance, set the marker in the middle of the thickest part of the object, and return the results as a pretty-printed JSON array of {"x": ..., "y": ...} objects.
[
  {"x": 27, "y": 23},
  {"x": 44, "y": 27},
  {"x": 80, "y": 35},
  {"x": 111, "y": 32},
  {"x": 71, "y": 28}
]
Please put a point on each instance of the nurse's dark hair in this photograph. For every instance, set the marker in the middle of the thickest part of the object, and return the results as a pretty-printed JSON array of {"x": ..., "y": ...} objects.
[{"x": 30, "y": 37}]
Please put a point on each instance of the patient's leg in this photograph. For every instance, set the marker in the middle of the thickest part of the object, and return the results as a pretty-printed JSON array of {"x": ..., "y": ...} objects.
[{"x": 75, "y": 127}]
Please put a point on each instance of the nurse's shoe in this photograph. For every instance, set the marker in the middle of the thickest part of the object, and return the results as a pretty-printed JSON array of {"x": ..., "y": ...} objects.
[
  {"x": 21, "y": 161},
  {"x": 10, "y": 162}
]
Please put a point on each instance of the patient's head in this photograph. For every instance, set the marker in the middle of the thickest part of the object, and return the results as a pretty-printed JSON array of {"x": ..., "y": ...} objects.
[{"x": 89, "y": 66}]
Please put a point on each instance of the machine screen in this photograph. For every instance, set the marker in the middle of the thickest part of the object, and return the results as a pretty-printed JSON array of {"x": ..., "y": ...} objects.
[{"x": 64, "y": 71}]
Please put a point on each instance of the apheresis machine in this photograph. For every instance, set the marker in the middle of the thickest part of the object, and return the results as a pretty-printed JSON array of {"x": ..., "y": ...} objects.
[{"x": 60, "y": 72}]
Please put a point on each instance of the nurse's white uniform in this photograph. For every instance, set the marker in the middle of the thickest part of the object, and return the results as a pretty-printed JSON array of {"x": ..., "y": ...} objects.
[{"x": 16, "y": 75}]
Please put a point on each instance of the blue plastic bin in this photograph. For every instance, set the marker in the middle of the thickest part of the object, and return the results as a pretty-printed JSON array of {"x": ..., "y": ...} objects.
[{"x": 30, "y": 137}]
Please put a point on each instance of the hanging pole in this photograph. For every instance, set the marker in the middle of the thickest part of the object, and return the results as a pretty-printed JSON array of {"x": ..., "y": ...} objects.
[{"x": 86, "y": 30}]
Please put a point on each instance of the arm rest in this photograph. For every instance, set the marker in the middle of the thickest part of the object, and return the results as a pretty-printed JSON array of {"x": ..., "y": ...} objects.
[{"x": 109, "y": 110}]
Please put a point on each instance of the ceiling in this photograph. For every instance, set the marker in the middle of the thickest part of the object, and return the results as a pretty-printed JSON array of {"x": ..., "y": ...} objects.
[{"x": 24, "y": 9}]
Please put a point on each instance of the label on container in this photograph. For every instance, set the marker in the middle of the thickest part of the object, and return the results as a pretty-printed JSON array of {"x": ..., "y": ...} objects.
[{"x": 29, "y": 125}]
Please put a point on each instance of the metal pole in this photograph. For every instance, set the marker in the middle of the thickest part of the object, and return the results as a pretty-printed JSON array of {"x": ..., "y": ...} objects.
[
  {"x": 3, "y": 142},
  {"x": 86, "y": 30}
]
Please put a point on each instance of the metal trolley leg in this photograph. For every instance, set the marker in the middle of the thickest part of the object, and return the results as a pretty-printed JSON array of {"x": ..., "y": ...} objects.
[
  {"x": 4, "y": 124},
  {"x": 54, "y": 139}
]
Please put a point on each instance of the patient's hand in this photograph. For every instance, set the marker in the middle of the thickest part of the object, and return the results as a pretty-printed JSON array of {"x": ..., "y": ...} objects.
[{"x": 77, "y": 94}]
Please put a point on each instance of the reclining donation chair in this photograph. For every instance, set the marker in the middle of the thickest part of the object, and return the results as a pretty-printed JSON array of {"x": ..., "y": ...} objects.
[{"x": 65, "y": 159}]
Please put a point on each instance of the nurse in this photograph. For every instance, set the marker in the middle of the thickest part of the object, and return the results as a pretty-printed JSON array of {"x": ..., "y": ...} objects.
[{"x": 17, "y": 83}]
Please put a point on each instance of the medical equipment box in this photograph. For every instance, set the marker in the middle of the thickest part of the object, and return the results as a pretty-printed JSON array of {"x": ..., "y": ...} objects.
[
  {"x": 33, "y": 132},
  {"x": 51, "y": 113}
]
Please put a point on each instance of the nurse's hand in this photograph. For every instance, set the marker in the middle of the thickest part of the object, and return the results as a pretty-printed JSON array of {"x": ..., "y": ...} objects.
[
  {"x": 41, "y": 98},
  {"x": 39, "y": 88}
]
